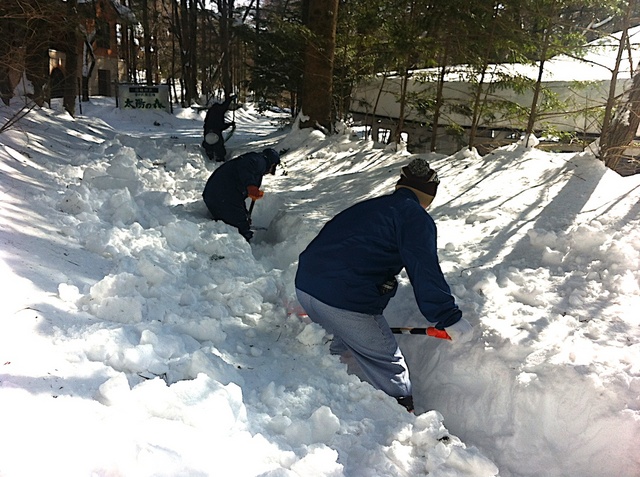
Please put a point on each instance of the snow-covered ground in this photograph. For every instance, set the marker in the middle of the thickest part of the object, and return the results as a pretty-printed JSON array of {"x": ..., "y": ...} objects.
[{"x": 140, "y": 338}]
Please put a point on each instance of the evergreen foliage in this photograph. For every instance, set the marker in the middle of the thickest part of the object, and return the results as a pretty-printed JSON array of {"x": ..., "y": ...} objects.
[
  {"x": 277, "y": 68},
  {"x": 258, "y": 47}
]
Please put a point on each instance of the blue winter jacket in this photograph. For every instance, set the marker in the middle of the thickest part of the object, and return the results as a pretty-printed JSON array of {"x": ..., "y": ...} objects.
[
  {"x": 368, "y": 244},
  {"x": 226, "y": 189}
]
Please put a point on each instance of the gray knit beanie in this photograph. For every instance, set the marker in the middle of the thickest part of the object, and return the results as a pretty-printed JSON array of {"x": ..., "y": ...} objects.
[{"x": 418, "y": 175}]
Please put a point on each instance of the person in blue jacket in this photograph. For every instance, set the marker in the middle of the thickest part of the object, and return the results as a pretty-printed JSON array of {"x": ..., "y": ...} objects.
[
  {"x": 347, "y": 275},
  {"x": 214, "y": 124},
  {"x": 233, "y": 182}
]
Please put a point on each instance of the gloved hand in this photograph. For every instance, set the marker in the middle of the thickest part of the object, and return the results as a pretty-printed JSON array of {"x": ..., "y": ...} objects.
[
  {"x": 254, "y": 192},
  {"x": 460, "y": 332}
]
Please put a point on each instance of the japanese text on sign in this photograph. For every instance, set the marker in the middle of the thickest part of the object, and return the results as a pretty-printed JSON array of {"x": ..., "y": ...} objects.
[{"x": 144, "y": 97}]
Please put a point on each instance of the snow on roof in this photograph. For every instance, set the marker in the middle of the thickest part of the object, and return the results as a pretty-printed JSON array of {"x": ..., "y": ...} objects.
[{"x": 596, "y": 65}]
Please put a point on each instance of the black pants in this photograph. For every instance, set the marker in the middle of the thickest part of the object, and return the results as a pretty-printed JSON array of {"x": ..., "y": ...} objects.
[
  {"x": 231, "y": 212},
  {"x": 217, "y": 151}
]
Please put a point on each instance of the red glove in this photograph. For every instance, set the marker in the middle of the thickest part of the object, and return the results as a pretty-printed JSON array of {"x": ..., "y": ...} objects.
[
  {"x": 436, "y": 333},
  {"x": 254, "y": 192}
]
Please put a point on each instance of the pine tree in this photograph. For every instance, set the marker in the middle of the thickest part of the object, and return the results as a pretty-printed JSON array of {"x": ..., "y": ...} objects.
[{"x": 317, "y": 86}]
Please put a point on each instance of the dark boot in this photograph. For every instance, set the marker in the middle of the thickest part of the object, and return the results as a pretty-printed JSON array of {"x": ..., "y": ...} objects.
[{"x": 406, "y": 402}]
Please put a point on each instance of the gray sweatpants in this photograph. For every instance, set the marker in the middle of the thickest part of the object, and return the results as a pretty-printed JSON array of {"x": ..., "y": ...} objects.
[{"x": 369, "y": 339}]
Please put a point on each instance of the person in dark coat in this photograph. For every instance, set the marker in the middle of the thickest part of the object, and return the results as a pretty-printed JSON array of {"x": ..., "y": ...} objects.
[
  {"x": 233, "y": 182},
  {"x": 214, "y": 124},
  {"x": 347, "y": 275}
]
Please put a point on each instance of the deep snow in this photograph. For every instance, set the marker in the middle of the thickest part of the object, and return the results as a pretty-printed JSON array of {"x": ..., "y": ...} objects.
[{"x": 140, "y": 338}]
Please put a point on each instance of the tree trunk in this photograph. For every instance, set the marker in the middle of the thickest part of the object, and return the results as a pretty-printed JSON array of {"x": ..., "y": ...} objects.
[
  {"x": 146, "y": 39},
  {"x": 624, "y": 124},
  {"x": 71, "y": 68},
  {"x": 187, "y": 40},
  {"x": 397, "y": 133},
  {"x": 226, "y": 19},
  {"x": 193, "y": 56},
  {"x": 533, "y": 114},
  {"x": 9, "y": 28},
  {"x": 88, "y": 64},
  {"x": 439, "y": 101},
  {"x": 132, "y": 63},
  {"x": 317, "y": 87},
  {"x": 477, "y": 107},
  {"x": 608, "y": 111},
  {"x": 374, "y": 121},
  {"x": 36, "y": 61}
]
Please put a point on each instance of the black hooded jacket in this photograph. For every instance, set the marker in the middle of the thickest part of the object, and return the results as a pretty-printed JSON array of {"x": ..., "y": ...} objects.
[
  {"x": 226, "y": 189},
  {"x": 214, "y": 121}
]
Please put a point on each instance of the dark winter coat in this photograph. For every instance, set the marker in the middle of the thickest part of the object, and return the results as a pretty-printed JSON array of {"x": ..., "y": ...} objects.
[
  {"x": 214, "y": 121},
  {"x": 226, "y": 189},
  {"x": 368, "y": 244}
]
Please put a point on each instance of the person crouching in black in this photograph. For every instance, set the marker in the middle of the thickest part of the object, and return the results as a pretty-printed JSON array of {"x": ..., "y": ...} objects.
[{"x": 233, "y": 182}]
